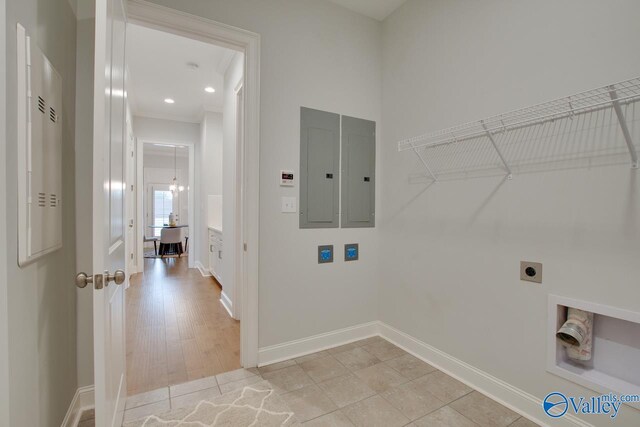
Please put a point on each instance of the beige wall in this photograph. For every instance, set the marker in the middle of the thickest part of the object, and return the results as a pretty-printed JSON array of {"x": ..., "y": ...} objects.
[
  {"x": 4, "y": 306},
  {"x": 455, "y": 282},
  {"x": 42, "y": 296}
]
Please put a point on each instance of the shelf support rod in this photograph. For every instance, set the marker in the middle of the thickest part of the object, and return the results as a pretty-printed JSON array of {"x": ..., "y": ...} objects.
[
  {"x": 623, "y": 126},
  {"x": 495, "y": 146},
  {"x": 415, "y": 150}
]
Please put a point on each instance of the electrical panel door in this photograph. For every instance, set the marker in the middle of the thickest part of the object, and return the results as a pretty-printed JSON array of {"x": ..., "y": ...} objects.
[
  {"x": 39, "y": 152},
  {"x": 358, "y": 172},
  {"x": 319, "y": 167}
]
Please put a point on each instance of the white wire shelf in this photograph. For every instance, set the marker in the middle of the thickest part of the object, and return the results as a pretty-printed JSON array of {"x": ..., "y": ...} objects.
[{"x": 494, "y": 131}]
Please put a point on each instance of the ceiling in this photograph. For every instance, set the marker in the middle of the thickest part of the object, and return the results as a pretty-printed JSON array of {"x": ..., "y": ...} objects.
[
  {"x": 163, "y": 65},
  {"x": 376, "y": 9}
]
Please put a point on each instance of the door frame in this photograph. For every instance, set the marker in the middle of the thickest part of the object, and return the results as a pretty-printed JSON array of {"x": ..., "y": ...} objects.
[
  {"x": 140, "y": 220},
  {"x": 240, "y": 159},
  {"x": 169, "y": 20}
]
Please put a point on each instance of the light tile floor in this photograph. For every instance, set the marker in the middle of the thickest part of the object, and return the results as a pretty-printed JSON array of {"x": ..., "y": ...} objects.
[{"x": 367, "y": 383}]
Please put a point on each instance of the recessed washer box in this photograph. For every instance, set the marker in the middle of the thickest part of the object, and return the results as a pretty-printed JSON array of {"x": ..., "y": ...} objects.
[
  {"x": 614, "y": 363},
  {"x": 351, "y": 252},
  {"x": 325, "y": 254}
]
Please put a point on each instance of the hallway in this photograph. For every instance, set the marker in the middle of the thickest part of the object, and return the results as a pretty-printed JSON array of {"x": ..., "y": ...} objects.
[{"x": 177, "y": 329}]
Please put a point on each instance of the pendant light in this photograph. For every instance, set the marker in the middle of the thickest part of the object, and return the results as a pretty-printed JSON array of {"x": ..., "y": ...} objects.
[{"x": 174, "y": 185}]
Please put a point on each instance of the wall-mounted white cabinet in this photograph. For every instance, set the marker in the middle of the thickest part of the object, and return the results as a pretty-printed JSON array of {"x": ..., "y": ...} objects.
[{"x": 215, "y": 253}]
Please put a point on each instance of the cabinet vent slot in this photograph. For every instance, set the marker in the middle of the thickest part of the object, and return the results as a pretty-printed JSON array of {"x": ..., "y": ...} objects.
[
  {"x": 53, "y": 200},
  {"x": 41, "y": 104},
  {"x": 42, "y": 200},
  {"x": 52, "y": 115}
]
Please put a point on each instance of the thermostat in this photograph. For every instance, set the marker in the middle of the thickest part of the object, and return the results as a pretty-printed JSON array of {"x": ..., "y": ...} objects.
[
  {"x": 325, "y": 254},
  {"x": 351, "y": 252},
  {"x": 286, "y": 178}
]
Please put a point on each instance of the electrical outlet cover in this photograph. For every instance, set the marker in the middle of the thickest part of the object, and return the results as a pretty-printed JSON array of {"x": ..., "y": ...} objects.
[
  {"x": 351, "y": 252},
  {"x": 325, "y": 254},
  {"x": 531, "y": 271}
]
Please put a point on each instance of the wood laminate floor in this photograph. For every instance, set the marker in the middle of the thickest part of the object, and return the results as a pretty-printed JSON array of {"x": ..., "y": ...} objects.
[{"x": 177, "y": 329}]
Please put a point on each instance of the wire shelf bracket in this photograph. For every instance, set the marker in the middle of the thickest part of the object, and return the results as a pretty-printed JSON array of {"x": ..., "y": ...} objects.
[
  {"x": 495, "y": 146},
  {"x": 426, "y": 166},
  {"x": 613, "y": 96},
  {"x": 623, "y": 126}
]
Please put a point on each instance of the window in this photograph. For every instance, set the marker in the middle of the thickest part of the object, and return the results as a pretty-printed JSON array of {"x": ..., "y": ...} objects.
[{"x": 162, "y": 207}]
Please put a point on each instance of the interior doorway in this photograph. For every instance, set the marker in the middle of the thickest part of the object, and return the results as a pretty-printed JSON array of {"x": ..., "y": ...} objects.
[{"x": 173, "y": 301}]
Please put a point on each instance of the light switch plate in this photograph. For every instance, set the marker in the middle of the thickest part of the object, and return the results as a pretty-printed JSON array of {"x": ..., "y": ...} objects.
[
  {"x": 531, "y": 271},
  {"x": 289, "y": 205}
]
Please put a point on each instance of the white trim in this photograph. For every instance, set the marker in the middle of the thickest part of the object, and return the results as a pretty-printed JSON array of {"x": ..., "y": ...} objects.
[
  {"x": 315, "y": 343},
  {"x": 193, "y": 119},
  {"x": 226, "y": 303},
  {"x": 513, "y": 398},
  {"x": 240, "y": 147},
  {"x": 204, "y": 271},
  {"x": 83, "y": 399},
  {"x": 187, "y": 25}
]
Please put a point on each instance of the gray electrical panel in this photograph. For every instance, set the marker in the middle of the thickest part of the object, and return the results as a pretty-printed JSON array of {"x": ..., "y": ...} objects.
[
  {"x": 319, "y": 169},
  {"x": 358, "y": 172}
]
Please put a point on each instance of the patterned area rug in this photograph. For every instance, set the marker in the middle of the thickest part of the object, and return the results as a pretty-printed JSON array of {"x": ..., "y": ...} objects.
[{"x": 255, "y": 405}]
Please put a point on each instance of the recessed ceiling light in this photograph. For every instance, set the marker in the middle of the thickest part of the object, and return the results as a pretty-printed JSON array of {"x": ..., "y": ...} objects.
[
  {"x": 169, "y": 101},
  {"x": 209, "y": 89}
]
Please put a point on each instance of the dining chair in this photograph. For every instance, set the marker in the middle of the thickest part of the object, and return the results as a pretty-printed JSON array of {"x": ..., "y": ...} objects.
[
  {"x": 171, "y": 240},
  {"x": 153, "y": 239}
]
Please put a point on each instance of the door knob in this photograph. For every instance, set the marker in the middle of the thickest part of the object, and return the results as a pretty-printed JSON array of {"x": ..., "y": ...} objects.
[
  {"x": 82, "y": 280},
  {"x": 117, "y": 277},
  {"x": 100, "y": 280}
]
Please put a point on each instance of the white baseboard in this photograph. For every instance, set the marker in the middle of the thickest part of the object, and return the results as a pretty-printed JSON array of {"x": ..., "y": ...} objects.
[
  {"x": 226, "y": 303},
  {"x": 304, "y": 346},
  {"x": 83, "y": 399},
  {"x": 204, "y": 271},
  {"x": 513, "y": 398}
]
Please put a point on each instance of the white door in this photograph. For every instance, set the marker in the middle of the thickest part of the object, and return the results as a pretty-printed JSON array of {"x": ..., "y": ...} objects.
[
  {"x": 130, "y": 201},
  {"x": 109, "y": 211}
]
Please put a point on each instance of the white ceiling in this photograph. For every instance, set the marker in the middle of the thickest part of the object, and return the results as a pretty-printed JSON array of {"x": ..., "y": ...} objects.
[
  {"x": 376, "y": 9},
  {"x": 158, "y": 65}
]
